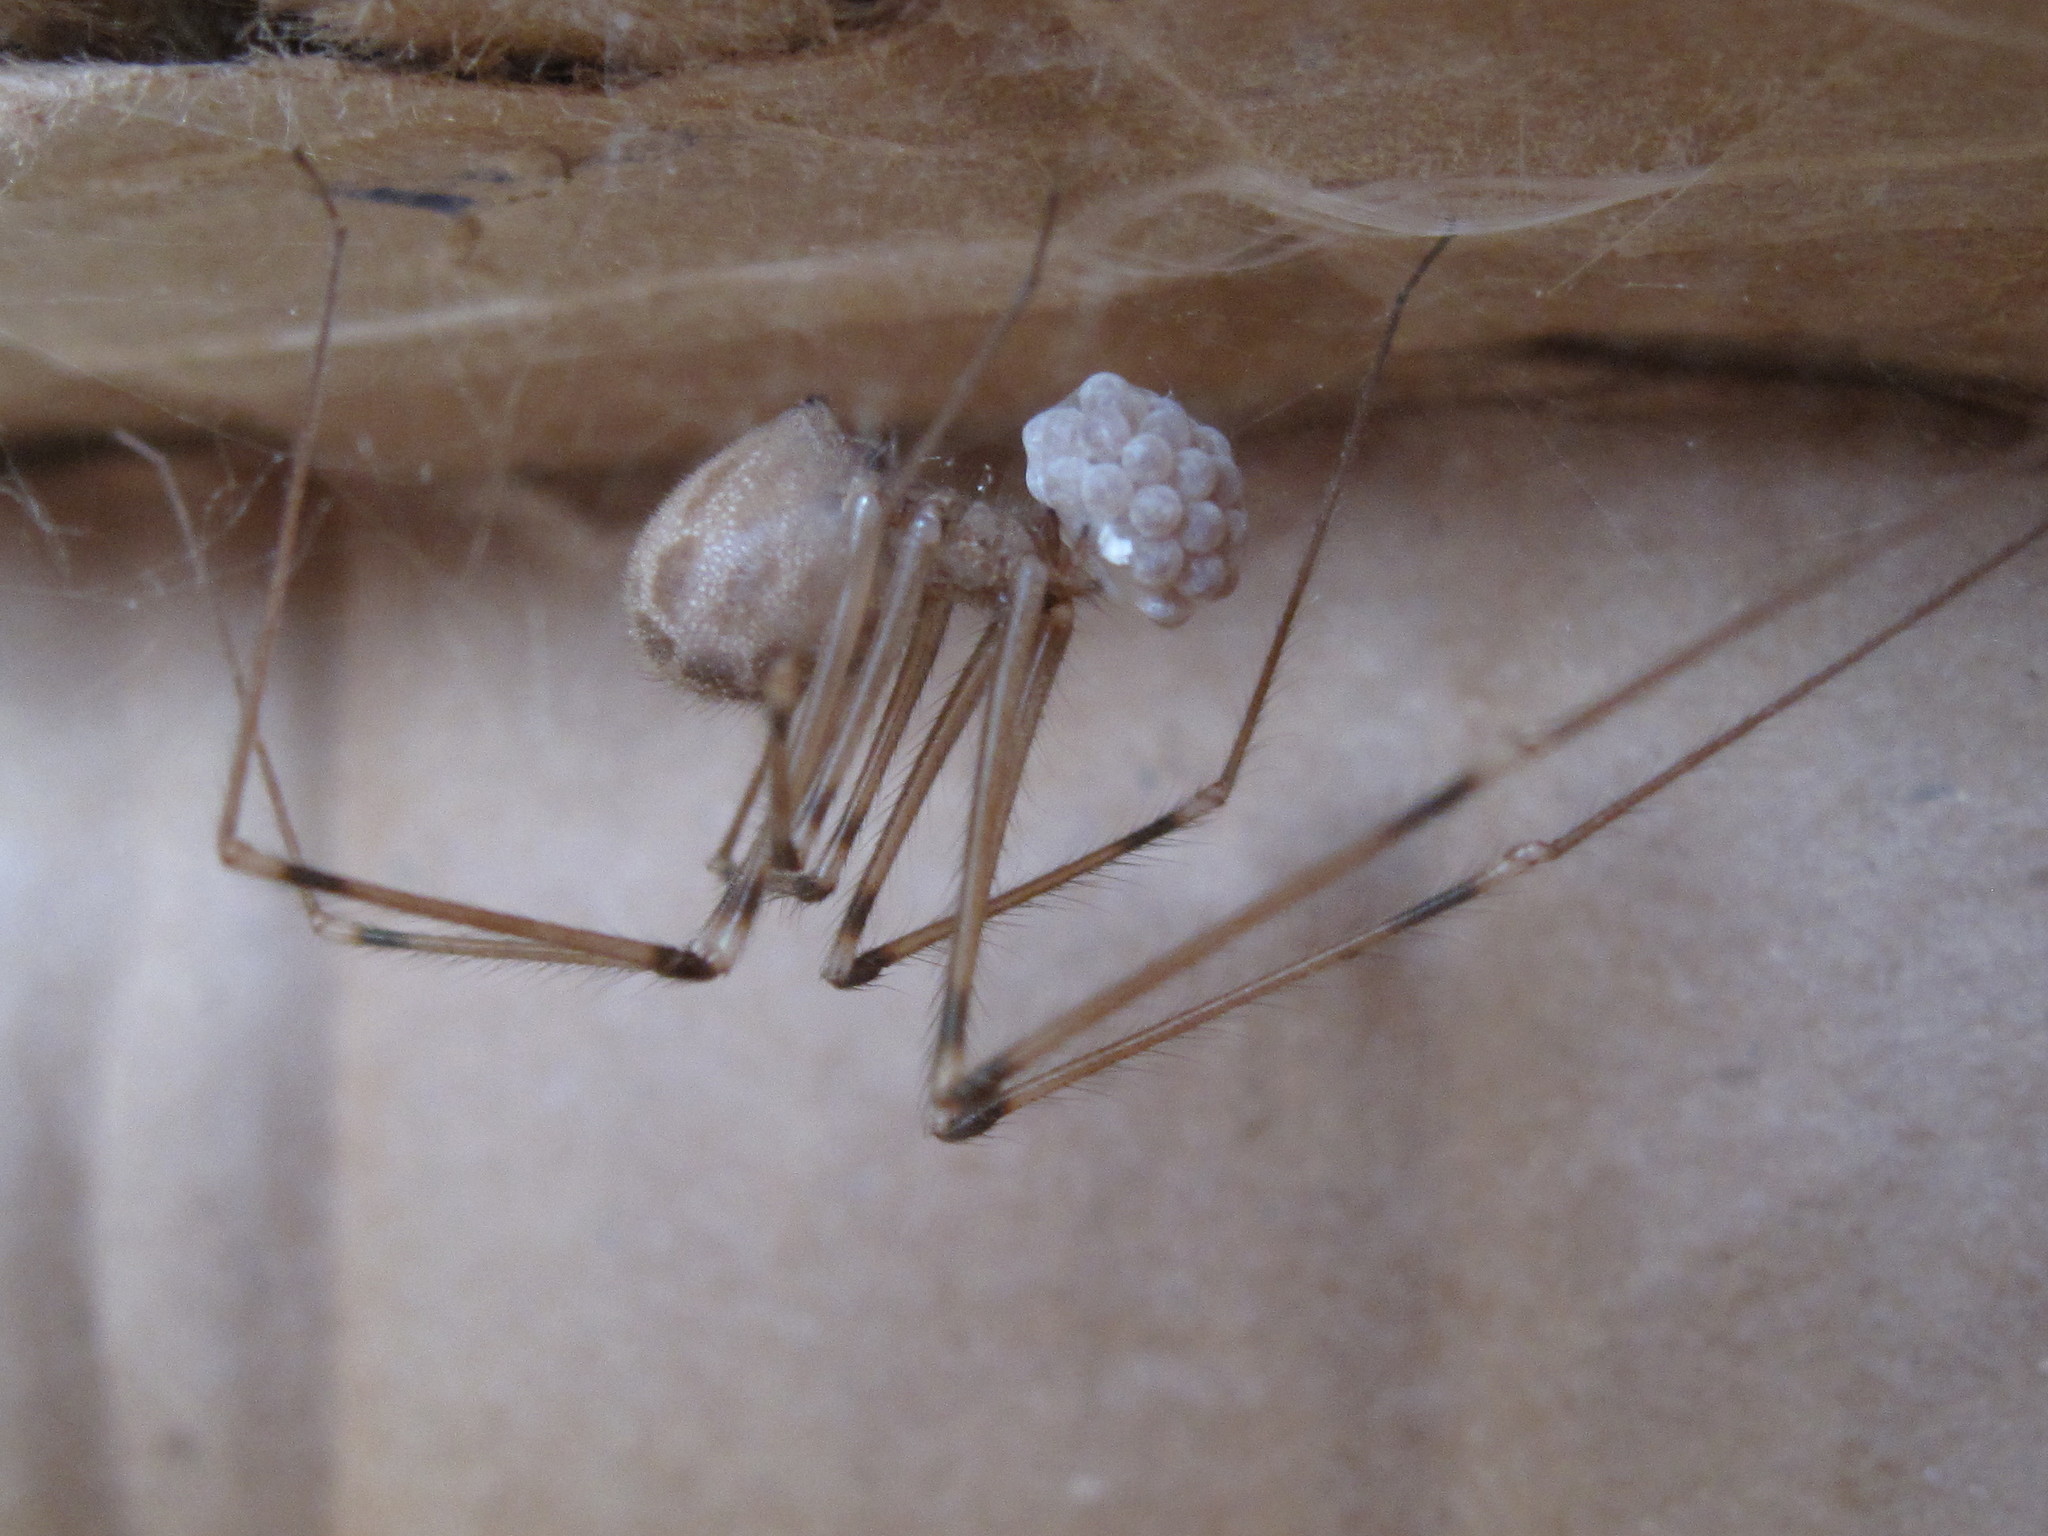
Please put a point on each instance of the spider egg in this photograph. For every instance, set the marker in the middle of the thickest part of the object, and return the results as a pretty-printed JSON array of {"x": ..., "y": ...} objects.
[
  {"x": 1158, "y": 513},
  {"x": 1147, "y": 459},
  {"x": 1150, "y": 496}
]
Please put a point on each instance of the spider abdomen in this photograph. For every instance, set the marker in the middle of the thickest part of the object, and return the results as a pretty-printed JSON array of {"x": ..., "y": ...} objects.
[{"x": 742, "y": 563}]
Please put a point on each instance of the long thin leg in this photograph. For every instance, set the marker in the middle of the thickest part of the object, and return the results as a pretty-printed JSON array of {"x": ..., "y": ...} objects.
[
  {"x": 721, "y": 861},
  {"x": 1033, "y": 642},
  {"x": 1053, "y": 638},
  {"x": 1506, "y": 760},
  {"x": 804, "y": 739},
  {"x": 889, "y": 651},
  {"x": 826, "y": 726},
  {"x": 233, "y": 850},
  {"x": 817, "y": 722},
  {"x": 202, "y": 579},
  {"x": 833, "y": 711},
  {"x": 512, "y": 936},
  {"x": 818, "y": 729},
  {"x": 961, "y": 701},
  {"x": 1013, "y": 1077},
  {"x": 1213, "y": 795},
  {"x": 805, "y": 721},
  {"x": 780, "y": 699},
  {"x": 963, "y": 385},
  {"x": 911, "y": 680},
  {"x": 837, "y": 710},
  {"x": 900, "y": 477}
]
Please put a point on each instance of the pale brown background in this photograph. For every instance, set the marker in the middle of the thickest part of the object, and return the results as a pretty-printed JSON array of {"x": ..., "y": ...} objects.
[{"x": 1693, "y": 1185}]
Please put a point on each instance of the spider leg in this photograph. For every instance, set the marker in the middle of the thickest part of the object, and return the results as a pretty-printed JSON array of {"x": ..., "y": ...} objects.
[
  {"x": 816, "y": 725},
  {"x": 818, "y": 730},
  {"x": 910, "y": 658},
  {"x": 962, "y": 699},
  {"x": 805, "y": 764},
  {"x": 721, "y": 861},
  {"x": 893, "y": 651},
  {"x": 911, "y": 680},
  {"x": 202, "y": 578},
  {"x": 964, "y": 382},
  {"x": 804, "y": 728},
  {"x": 1015, "y": 1076},
  {"x": 228, "y": 839},
  {"x": 1213, "y": 795},
  {"x": 1034, "y": 641},
  {"x": 1508, "y": 758},
  {"x": 784, "y": 692},
  {"x": 508, "y": 935}
]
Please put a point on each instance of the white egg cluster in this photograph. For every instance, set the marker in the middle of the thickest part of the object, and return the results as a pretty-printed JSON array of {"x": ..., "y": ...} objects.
[{"x": 1151, "y": 496}]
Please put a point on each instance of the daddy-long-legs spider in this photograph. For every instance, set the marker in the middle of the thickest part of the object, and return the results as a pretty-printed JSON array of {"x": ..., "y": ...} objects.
[
  {"x": 1698, "y": 1172},
  {"x": 815, "y": 577}
]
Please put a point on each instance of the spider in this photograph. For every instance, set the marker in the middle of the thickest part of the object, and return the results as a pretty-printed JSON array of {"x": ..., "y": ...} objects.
[{"x": 814, "y": 578}]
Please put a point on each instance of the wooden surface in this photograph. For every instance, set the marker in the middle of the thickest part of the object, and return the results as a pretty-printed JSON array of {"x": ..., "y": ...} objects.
[{"x": 638, "y": 265}]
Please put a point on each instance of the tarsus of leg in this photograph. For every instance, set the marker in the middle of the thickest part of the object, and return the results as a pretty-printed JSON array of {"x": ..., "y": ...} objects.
[{"x": 1010, "y": 1090}]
